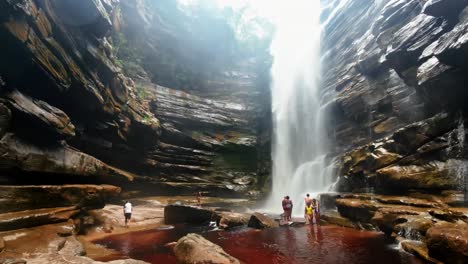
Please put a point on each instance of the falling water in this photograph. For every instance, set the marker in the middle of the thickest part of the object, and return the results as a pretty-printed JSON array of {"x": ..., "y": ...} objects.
[{"x": 299, "y": 143}]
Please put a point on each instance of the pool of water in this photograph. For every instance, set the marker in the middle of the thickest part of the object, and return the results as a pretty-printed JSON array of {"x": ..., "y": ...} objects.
[{"x": 288, "y": 245}]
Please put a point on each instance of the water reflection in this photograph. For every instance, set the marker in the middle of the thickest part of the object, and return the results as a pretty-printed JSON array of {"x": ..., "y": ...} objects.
[{"x": 287, "y": 245}]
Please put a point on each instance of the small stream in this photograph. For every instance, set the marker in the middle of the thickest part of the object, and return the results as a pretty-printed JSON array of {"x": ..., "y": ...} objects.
[{"x": 326, "y": 244}]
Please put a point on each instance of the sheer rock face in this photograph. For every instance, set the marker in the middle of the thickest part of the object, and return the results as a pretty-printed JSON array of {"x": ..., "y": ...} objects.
[
  {"x": 209, "y": 91},
  {"x": 60, "y": 82},
  {"x": 69, "y": 113},
  {"x": 394, "y": 86}
]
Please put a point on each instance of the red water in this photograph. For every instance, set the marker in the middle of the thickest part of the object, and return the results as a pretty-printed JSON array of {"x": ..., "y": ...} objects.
[{"x": 327, "y": 244}]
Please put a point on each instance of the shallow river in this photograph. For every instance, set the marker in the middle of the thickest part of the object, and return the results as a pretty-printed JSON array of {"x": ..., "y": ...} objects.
[{"x": 288, "y": 245}]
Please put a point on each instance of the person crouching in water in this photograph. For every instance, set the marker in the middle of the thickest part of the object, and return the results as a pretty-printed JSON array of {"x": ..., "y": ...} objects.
[
  {"x": 127, "y": 209},
  {"x": 316, "y": 213},
  {"x": 287, "y": 208}
]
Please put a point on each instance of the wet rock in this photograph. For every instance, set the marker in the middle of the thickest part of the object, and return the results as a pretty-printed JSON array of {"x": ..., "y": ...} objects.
[
  {"x": 17, "y": 198},
  {"x": 448, "y": 242},
  {"x": 31, "y": 218},
  {"x": 357, "y": 210},
  {"x": 193, "y": 249},
  {"x": 261, "y": 221},
  {"x": 419, "y": 249},
  {"x": 174, "y": 214},
  {"x": 387, "y": 218},
  {"x": 334, "y": 218},
  {"x": 228, "y": 220},
  {"x": 450, "y": 214},
  {"x": 414, "y": 227},
  {"x": 72, "y": 247},
  {"x": 387, "y": 163}
]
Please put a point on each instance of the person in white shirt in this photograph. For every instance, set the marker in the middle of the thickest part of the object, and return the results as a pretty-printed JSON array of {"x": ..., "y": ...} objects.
[{"x": 127, "y": 209}]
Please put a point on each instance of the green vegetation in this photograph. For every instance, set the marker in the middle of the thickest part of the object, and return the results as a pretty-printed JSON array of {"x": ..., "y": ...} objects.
[
  {"x": 142, "y": 92},
  {"x": 127, "y": 55},
  {"x": 147, "y": 119}
]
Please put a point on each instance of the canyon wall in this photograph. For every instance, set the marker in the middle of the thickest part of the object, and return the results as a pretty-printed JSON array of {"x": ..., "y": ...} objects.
[
  {"x": 135, "y": 94},
  {"x": 394, "y": 85},
  {"x": 394, "y": 89}
]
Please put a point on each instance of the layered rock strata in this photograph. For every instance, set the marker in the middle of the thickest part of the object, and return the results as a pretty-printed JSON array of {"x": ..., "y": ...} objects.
[
  {"x": 394, "y": 90},
  {"x": 69, "y": 113}
]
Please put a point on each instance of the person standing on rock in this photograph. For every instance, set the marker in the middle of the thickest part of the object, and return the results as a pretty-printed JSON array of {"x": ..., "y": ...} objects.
[
  {"x": 127, "y": 209},
  {"x": 309, "y": 214},
  {"x": 316, "y": 213},
  {"x": 287, "y": 208},
  {"x": 308, "y": 203}
]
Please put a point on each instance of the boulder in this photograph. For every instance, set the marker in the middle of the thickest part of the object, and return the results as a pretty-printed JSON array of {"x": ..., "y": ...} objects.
[
  {"x": 448, "y": 243},
  {"x": 261, "y": 221},
  {"x": 194, "y": 249},
  {"x": 228, "y": 219},
  {"x": 176, "y": 214},
  {"x": 27, "y": 197}
]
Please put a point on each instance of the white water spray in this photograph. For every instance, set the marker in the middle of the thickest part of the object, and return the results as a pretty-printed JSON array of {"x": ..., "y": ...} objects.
[{"x": 299, "y": 143}]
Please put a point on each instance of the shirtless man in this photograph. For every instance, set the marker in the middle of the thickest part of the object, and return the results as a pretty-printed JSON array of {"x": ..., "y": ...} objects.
[{"x": 287, "y": 208}]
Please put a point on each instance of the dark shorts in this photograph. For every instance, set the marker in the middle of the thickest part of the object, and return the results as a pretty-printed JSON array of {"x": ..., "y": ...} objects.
[{"x": 128, "y": 215}]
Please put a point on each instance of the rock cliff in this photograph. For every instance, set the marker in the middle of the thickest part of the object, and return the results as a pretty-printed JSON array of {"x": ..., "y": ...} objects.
[
  {"x": 131, "y": 93},
  {"x": 394, "y": 87}
]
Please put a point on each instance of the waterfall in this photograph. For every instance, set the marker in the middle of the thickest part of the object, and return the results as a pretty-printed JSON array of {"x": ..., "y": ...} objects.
[{"x": 299, "y": 142}]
